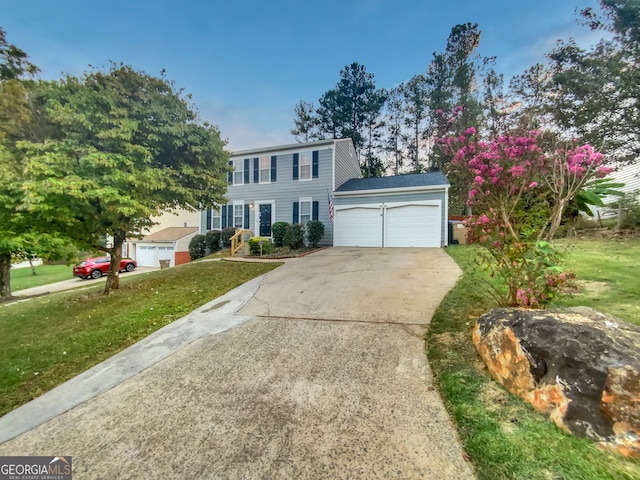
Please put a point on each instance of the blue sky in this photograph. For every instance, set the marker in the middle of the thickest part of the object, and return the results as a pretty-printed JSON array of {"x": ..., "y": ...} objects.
[{"x": 247, "y": 63}]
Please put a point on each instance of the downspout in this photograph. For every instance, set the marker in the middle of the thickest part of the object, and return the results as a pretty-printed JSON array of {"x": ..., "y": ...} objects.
[{"x": 446, "y": 217}]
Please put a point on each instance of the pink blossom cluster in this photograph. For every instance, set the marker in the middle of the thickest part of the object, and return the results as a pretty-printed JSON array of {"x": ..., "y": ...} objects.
[
  {"x": 509, "y": 162},
  {"x": 584, "y": 159}
]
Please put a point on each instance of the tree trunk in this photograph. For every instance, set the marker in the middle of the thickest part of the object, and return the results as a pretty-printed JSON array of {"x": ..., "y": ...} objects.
[
  {"x": 33, "y": 269},
  {"x": 113, "y": 278},
  {"x": 5, "y": 276}
]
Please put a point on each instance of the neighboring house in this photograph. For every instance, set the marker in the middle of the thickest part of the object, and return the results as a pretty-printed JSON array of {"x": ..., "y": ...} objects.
[
  {"x": 174, "y": 230},
  {"x": 168, "y": 244},
  {"x": 630, "y": 176},
  {"x": 293, "y": 183}
]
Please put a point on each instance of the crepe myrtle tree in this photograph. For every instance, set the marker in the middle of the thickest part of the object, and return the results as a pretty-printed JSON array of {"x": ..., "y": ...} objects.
[
  {"x": 123, "y": 146},
  {"x": 518, "y": 192}
]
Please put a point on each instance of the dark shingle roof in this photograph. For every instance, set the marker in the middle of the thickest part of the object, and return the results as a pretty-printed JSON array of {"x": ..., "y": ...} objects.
[{"x": 397, "y": 181}]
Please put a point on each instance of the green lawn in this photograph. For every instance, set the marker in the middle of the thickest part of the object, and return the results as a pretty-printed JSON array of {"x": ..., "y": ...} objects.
[
  {"x": 503, "y": 436},
  {"x": 47, "y": 340},
  {"x": 608, "y": 271},
  {"x": 22, "y": 278}
]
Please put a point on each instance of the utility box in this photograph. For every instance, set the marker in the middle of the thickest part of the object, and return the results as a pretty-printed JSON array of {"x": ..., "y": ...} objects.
[
  {"x": 165, "y": 264},
  {"x": 459, "y": 233}
]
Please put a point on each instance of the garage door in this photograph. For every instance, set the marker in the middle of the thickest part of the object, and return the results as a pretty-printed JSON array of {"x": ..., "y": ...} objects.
[
  {"x": 358, "y": 227},
  {"x": 150, "y": 255},
  {"x": 166, "y": 253},
  {"x": 413, "y": 226},
  {"x": 145, "y": 255},
  {"x": 405, "y": 225}
]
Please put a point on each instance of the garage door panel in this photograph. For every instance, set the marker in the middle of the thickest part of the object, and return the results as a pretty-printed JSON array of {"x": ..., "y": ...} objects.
[
  {"x": 358, "y": 227},
  {"x": 413, "y": 226},
  {"x": 145, "y": 255}
]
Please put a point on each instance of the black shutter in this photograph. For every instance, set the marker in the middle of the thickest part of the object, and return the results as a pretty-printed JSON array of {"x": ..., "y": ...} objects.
[
  {"x": 246, "y": 215},
  {"x": 314, "y": 211},
  {"x": 246, "y": 170},
  {"x": 296, "y": 209},
  {"x": 208, "y": 218},
  {"x": 230, "y": 222},
  {"x": 295, "y": 166},
  {"x": 273, "y": 168},
  {"x": 230, "y": 174},
  {"x": 223, "y": 218},
  {"x": 256, "y": 170},
  {"x": 314, "y": 164}
]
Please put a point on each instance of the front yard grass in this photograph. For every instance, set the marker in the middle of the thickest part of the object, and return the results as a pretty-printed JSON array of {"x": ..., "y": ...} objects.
[
  {"x": 47, "y": 340},
  {"x": 502, "y": 435},
  {"x": 22, "y": 278}
]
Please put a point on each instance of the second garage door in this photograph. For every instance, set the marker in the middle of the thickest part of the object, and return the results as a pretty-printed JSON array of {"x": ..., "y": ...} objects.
[
  {"x": 403, "y": 225},
  {"x": 413, "y": 226}
]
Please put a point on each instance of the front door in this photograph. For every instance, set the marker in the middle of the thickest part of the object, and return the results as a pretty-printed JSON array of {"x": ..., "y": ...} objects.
[{"x": 265, "y": 220}]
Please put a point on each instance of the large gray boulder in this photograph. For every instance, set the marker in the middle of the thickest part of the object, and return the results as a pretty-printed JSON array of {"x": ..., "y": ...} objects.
[{"x": 579, "y": 367}]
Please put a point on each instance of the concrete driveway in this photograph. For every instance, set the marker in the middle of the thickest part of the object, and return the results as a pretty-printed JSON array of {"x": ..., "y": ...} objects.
[{"x": 323, "y": 377}]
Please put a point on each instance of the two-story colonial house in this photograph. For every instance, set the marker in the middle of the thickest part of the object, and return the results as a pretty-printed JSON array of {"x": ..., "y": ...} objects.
[{"x": 295, "y": 183}]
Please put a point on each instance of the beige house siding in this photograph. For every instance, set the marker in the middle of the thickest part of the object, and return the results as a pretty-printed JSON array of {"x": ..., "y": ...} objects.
[{"x": 179, "y": 218}]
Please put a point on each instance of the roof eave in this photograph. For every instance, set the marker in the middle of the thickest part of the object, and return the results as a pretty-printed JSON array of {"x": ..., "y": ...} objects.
[
  {"x": 280, "y": 148},
  {"x": 384, "y": 191}
]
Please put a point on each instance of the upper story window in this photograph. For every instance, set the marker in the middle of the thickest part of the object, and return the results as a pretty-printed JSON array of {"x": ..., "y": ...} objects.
[
  {"x": 238, "y": 172},
  {"x": 265, "y": 170},
  {"x": 305, "y": 166}
]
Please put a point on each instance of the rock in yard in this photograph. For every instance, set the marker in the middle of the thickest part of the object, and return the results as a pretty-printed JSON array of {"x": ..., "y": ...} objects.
[{"x": 579, "y": 367}]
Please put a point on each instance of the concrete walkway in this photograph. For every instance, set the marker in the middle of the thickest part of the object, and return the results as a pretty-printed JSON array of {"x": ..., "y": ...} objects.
[{"x": 323, "y": 376}]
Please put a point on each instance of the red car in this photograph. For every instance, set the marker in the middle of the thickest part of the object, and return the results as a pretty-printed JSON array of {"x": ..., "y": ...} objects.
[{"x": 95, "y": 267}]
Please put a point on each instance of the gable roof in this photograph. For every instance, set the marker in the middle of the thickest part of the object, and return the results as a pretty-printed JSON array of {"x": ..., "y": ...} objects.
[
  {"x": 170, "y": 234},
  {"x": 412, "y": 180}
]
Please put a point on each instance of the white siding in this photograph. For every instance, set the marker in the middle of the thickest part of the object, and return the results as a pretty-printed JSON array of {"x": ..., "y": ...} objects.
[{"x": 630, "y": 176}]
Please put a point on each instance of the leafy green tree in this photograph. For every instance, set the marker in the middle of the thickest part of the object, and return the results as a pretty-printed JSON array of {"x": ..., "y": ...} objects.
[
  {"x": 18, "y": 122},
  {"x": 125, "y": 146},
  {"x": 14, "y": 63},
  {"x": 593, "y": 93}
]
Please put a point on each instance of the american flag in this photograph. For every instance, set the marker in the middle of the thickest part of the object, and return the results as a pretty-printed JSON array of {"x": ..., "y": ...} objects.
[{"x": 330, "y": 206}]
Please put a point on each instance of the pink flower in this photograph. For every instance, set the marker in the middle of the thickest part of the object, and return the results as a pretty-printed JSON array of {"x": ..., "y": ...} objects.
[
  {"x": 483, "y": 219},
  {"x": 459, "y": 108},
  {"x": 478, "y": 180},
  {"x": 439, "y": 112},
  {"x": 603, "y": 172},
  {"x": 470, "y": 131},
  {"x": 533, "y": 184}
]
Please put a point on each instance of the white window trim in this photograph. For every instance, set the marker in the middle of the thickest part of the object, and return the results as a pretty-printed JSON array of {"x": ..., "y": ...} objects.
[
  {"x": 305, "y": 200},
  {"x": 241, "y": 171},
  {"x": 235, "y": 203},
  {"x": 268, "y": 158},
  {"x": 310, "y": 152}
]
